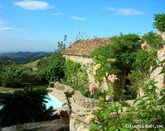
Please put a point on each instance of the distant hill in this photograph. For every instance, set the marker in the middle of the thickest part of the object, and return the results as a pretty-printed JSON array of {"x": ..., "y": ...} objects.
[{"x": 23, "y": 57}]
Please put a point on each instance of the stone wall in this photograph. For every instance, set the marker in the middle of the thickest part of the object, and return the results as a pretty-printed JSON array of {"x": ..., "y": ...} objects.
[
  {"x": 79, "y": 59},
  {"x": 84, "y": 101},
  {"x": 53, "y": 125},
  {"x": 78, "y": 122},
  {"x": 77, "y": 97},
  {"x": 161, "y": 33}
]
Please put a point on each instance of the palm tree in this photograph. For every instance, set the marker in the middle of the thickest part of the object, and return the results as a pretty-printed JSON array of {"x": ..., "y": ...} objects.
[{"x": 24, "y": 106}]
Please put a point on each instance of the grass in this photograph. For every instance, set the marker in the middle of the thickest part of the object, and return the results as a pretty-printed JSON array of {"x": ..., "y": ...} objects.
[
  {"x": 7, "y": 89},
  {"x": 31, "y": 64}
]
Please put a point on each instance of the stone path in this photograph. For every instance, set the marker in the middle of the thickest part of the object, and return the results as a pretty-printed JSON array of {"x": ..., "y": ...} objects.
[{"x": 54, "y": 125}]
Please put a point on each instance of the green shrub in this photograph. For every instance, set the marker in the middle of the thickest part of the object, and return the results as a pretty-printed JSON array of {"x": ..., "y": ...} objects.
[
  {"x": 117, "y": 58},
  {"x": 51, "y": 69},
  {"x": 159, "y": 22},
  {"x": 23, "y": 106},
  {"x": 153, "y": 40},
  {"x": 11, "y": 76},
  {"x": 75, "y": 75},
  {"x": 148, "y": 110},
  {"x": 30, "y": 76}
]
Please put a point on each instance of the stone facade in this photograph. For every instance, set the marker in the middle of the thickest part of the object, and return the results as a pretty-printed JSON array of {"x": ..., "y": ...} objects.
[{"x": 79, "y": 59}]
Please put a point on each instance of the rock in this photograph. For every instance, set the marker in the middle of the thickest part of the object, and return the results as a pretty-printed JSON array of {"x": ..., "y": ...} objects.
[
  {"x": 107, "y": 98},
  {"x": 51, "y": 84},
  {"x": 64, "y": 117},
  {"x": 82, "y": 128},
  {"x": 90, "y": 118}
]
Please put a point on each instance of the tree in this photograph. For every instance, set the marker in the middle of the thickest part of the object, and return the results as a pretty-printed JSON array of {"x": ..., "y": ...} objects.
[
  {"x": 159, "y": 22},
  {"x": 52, "y": 68},
  {"x": 117, "y": 58},
  {"x": 11, "y": 75},
  {"x": 61, "y": 44},
  {"x": 24, "y": 106},
  {"x": 153, "y": 40}
]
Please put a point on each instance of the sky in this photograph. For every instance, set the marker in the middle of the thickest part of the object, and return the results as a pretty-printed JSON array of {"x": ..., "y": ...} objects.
[{"x": 37, "y": 25}]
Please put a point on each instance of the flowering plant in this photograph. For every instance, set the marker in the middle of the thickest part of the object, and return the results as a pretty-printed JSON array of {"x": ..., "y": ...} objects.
[{"x": 112, "y": 78}]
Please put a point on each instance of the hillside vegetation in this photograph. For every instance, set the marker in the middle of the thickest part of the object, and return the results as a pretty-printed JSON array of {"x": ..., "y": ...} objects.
[{"x": 23, "y": 57}]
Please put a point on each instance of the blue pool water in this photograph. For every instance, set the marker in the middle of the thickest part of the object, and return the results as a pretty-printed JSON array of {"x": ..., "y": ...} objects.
[{"x": 50, "y": 101}]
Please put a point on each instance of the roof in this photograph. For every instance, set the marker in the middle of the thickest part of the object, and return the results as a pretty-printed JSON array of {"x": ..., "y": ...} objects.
[{"x": 84, "y": 47}]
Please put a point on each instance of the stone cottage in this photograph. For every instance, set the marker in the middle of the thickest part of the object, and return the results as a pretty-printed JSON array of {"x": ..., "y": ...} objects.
[{"x": 81, "y": 50}]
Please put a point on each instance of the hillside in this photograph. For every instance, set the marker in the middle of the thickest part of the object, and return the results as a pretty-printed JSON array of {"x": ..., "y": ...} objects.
[
  {"x": 32, "y": 64},
  {"x": 23, "y": 57}
]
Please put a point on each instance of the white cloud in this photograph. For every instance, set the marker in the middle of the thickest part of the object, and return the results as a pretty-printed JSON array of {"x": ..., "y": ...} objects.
[
  {"x": 57, "y": 14},
  {"x": 33, "y": 5},
  {"x": 6, "y": 29},
  {"x": 123, "y": 11},
  {"x": 78, "y": 18}
]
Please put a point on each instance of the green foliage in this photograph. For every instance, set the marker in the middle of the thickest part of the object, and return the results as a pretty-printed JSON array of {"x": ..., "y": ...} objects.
[
  {"x": 153, "y": 40},
  {"x": 137, "y": 79},
  {"x": 150, "y": 108},
  {"x": 117, "y": 57},
  {"x": 30, "y": 76},
  {"x": 4, "y": 63},
  {"x": 11, "y": 76},
  {"x": 147, "y": 110},
  {"x": 159, "y": 22},
  {"x": 43, "y": 62},
  {"x": 123, "y": 56},
  {"x": 75, "y": 74},
  {"x": 108, "y": 116},
  {"x": 144, "y": 60},
  {"x": 51, "y": 69},
  {"x": 85, "y": 92},
  {"x": 68, "y": 95},
  {"x": 61, "y": 45},
  {"x": 17, "y": 76},
  {"x": 24, "y": 106}
]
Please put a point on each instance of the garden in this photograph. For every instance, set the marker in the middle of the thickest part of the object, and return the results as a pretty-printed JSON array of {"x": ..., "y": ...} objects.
[{"x": 126, "y": 65}]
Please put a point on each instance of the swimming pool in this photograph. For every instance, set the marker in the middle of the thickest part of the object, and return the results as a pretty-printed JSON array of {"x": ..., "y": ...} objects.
[{"x": 50, "y": 101}]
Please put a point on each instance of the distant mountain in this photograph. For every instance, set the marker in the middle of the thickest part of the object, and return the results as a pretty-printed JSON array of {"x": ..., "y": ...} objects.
[{"x": 23, "y": 57}]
